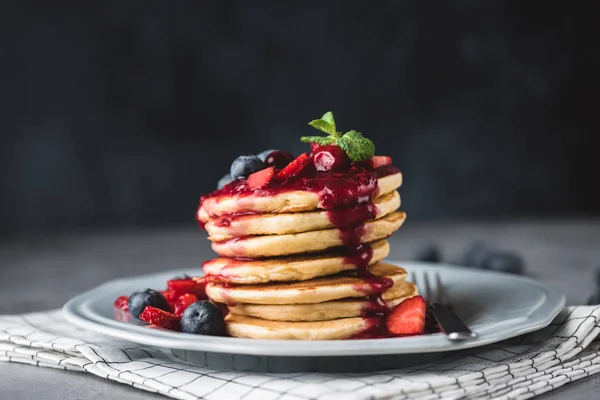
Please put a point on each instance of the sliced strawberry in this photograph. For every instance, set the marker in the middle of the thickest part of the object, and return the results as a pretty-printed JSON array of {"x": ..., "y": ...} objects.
[
  {"x": 184, "y": 302},
  {"x": 160, "y": 318},
  {"x": 380, "y": 161},
  {"x": 261, "y": 178},
  {"x": 122, "y": 303},
  {"x": 294, "y": 168},
  {"x": 195, "y": 286},
  {"x": 408, "y": 317},
  {"x": 170, "y": 295}
]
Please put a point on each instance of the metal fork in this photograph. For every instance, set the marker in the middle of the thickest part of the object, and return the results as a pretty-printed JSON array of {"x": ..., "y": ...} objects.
[{"x": 436, "y": 296}]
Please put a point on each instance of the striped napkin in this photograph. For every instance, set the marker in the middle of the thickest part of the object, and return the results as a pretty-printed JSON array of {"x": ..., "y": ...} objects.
[{"x": 519, "y": 368}]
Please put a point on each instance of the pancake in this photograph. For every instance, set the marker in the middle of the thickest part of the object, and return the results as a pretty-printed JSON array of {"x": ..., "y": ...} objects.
[
  {"x": 306, "y": 242},
  {"x": 345, "y": 308},
  {"x": 304, "y": 292},
  {"x": 285, "y": 202},
  {"x": 291, "y": 268},
  {"x": 255, "y": 328},
  {"x": 225, "y": 228}
]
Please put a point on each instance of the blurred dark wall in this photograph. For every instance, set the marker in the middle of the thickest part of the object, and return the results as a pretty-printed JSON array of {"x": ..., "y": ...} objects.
[{"x": 124, "y": 113}]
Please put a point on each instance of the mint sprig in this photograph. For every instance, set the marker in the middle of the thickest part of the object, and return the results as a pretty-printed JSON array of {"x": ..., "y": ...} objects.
[{"x": 358, "y": 147}]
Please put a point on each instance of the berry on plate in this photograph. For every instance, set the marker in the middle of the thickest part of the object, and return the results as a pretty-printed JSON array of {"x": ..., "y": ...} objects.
[
  {"x": 141, "y": 299},
  {"x": 203, "y": 318},
  {"x": 160, "y": 318},
  {"x": 179, "y": 287},
  {"x": 295, "y": 168},
  {"x": 408, "y": 317},
  {"x": 262, "y": 178},
  {"x": 184, "y": 302},
  {"x": 245, "y": 165},
  {"x": 122, "y": 303}
]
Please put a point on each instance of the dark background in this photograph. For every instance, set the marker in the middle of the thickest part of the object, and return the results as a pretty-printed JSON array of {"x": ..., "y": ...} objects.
[{"x": 121, "y": 113}]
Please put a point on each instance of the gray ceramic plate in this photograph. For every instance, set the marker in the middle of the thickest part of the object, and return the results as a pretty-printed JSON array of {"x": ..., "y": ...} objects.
[{"x": 496, "y": 306}]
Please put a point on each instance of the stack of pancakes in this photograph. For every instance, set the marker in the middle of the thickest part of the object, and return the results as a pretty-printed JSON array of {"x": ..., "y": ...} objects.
[{"x": 286, "y": 272}]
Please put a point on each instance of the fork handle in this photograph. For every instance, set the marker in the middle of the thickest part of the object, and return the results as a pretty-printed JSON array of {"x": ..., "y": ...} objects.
[{"x": 450, "y": 323}]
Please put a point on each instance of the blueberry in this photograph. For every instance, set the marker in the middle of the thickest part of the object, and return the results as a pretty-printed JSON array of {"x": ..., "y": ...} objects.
[
  {"x": 473, "y": 255},
  {"x": 140, "y": 299},
  {"x": 203, "y": 318},
  {"x": 428, "y": 253},
  {"x": 264, "y": 154},
  {"x": 245, "y": 165},
  {"x": 504, "y": 262},
  {"x": 224, "y": 181},
  {"x": 594, "y": 299}
]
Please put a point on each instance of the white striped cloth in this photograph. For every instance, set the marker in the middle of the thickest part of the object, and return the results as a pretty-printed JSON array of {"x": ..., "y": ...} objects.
[{"x": 519, "y": 368}]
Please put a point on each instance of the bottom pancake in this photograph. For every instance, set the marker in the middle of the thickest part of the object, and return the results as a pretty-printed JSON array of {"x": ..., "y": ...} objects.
[
  {"x": 329, "y": 310},
  {"x": 255, "y": 328}
]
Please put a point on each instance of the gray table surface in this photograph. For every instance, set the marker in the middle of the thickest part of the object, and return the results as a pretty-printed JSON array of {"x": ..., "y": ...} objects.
[{"x": 39, "y": 272}]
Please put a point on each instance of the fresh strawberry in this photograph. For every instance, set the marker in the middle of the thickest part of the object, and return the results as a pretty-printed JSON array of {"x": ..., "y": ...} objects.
[
  {"x": 380, "y": 161},
  {"x": 184, "y": 302},
  {"x": 294, "y": 168},
  {"x": 195, "y": 286},
  {"x": 261, "y": 178},
  {"x": 170, "y": 295},
  {"x": 160, "y": 318},
  {"x": 122, "y": 303},
  {"x": 408, "y": 317}
]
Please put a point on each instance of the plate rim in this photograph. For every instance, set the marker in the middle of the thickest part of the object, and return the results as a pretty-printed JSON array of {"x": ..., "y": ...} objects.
[{"x": 75, "y": 312}]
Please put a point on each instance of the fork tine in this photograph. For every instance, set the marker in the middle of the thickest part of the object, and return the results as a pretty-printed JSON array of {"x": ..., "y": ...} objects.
[
  {"x": 431, "y": 294},
  {"x": 443, "y": 296}
]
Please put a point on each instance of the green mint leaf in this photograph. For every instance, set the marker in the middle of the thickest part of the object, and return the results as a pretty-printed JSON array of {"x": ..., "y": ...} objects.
[
  {"x": 320, "y": 140},
  {"x": 358, "y": 147},
  {"x": 323, "y": 126},
  {"x": 328, "y": 117}
]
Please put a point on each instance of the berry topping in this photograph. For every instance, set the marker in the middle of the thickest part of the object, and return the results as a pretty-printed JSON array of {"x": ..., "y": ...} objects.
[
  {"x": 245, "y": 165},
  {"x": 226, "y": 179},
  {"x": 141, "y": 299},
  {"x": 408, "y": 317},
  {"x": 264, "y": 154},
  {"x": 195, "y": 286},
  {"x": 160, "y": 318},
  {"x": 183, "y": 302},
  {"x": 203, "y": 318},
  {"x": 122, "y": 303},
  {"x": 295, "y": 168},
  {"x": 331, "y": 158},
  {"x": 380, "y": 161},
  {"x": 262, "y": 178},
  {"x": 279, "y": 159}
]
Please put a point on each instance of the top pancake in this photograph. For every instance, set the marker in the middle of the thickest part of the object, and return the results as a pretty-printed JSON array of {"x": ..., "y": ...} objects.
[
  {"x": 224, "y": 228},
  {"x": 285, "y": 202}
]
